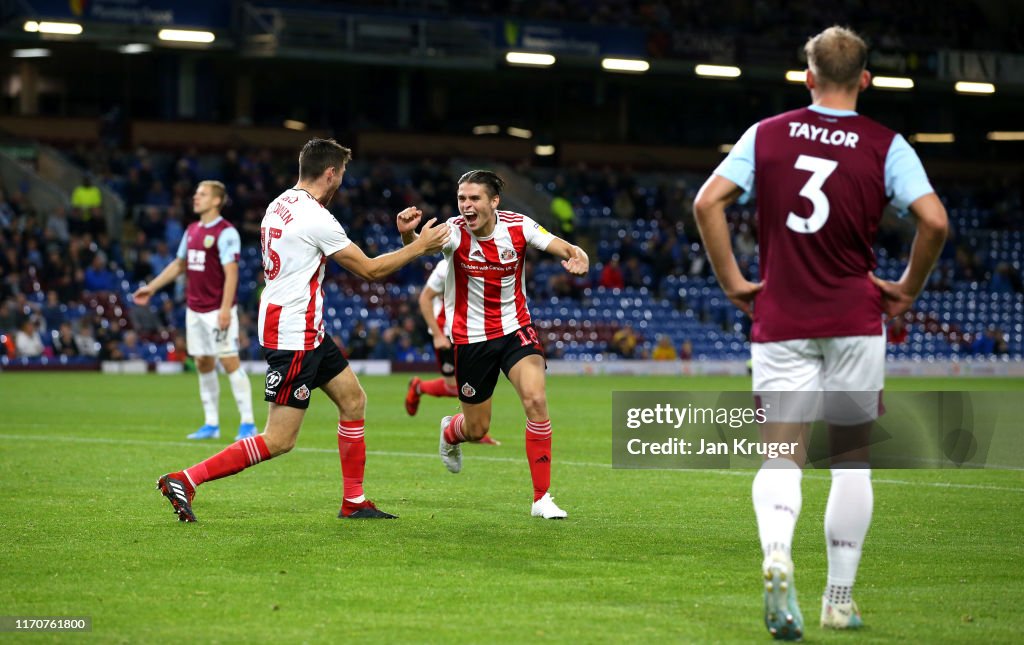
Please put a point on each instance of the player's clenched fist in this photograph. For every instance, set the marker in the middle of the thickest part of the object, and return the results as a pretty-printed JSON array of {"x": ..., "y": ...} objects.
[
  {"x": 433, "y": 238},
  {"x": 409, "y": 219}
]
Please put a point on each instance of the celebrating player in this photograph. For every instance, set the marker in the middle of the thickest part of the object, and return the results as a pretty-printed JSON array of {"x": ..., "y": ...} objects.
[
  {"x": 209, "y": 253},
  {"x": 431, "y": 302},
  {"x": 822, "y": 176},
  {"x": 487, "y": 318},
  {"x": 298, "y": 235}
]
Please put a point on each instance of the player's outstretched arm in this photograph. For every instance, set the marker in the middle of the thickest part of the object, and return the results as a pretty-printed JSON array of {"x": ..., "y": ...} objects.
[
  {"x": 574, "y": 259},
  {"x": 932, "y": 229},
  {"x": 709, "y": 209},
  {"x": 167, "y": 276},
  {"x": 429, "y": 241}
]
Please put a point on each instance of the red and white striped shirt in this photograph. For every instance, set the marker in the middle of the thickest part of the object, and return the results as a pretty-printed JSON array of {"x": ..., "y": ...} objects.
[
  {"x": 297, "y": 236},
  {"x": 484, "y": 297}
]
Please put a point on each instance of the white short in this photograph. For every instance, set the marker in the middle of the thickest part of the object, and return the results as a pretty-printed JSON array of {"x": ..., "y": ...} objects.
[
  {"x": 204, "y": 338},
  {"x": 791, "y": 376}
]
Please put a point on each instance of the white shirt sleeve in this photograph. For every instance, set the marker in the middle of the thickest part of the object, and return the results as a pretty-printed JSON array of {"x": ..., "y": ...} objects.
[
  {"x": 536, "y": 235},
  {"x": 328, "y": 234},
  {"x": 229, "y": 244},
  {"x": 436, "y": 280},
  {"x": 453, "y": 240},
  {"x": 183, "y": 246}
]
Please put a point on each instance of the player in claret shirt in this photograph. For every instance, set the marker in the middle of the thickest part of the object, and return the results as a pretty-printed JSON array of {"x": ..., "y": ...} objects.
[
  {"x": 298, "y": 236},
  {"x": 488, "y": 320},
  {"x": 822, "y": 176},
  {"x": 208, "y": 255}
]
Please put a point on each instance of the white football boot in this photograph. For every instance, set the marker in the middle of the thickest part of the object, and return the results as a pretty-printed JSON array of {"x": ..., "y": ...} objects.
[
  {"x": 451, "y": 454},
  {"x": 545, "y": 507}
]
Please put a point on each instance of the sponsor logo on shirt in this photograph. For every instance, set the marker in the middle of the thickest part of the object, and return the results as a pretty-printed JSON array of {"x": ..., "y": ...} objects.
[{"x": 196, "y": 260}]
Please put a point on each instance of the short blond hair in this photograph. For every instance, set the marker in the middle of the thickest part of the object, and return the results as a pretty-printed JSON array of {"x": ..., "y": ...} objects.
[
  {"x": 217, "y": 188},
  {"x": 837, "y": 56}
]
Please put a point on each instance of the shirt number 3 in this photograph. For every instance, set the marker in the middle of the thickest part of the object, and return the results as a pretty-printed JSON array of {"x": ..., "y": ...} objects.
[{"x": 820, "y": 170}]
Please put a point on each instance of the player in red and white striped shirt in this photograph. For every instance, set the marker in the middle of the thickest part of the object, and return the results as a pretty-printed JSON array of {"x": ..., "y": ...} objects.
[
  {"x": 298, "y": 235},
  {"x": 431, "y": 302},
  {"x": 488, "y": 321}
]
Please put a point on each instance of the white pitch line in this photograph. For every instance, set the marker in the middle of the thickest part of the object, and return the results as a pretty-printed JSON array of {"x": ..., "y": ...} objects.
[{"x": 510, "y": 460}]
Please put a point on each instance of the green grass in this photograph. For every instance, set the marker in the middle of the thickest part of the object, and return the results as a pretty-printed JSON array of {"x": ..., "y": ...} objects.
[{"x": 651, "y": 556}]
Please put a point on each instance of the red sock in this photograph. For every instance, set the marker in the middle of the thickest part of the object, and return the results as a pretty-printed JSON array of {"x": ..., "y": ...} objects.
[
  {"x": 352, "y": 448},
  {"x": 437, "y": 387},
  {"x": 233, "y": 459},
  {"x": 453, "y": 433},
  {"x": 538, "y": 451}
]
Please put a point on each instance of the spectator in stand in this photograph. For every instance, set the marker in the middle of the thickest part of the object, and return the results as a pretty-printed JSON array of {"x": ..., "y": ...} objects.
[
  {"x": 686, "y": 350},
  {"x": 85, "y": 341},
  {"x": 611, "y": 274},
  {"x": 157, "y": 195},
  {"x": 130, "y": 347},
  {"x": 64, "y": 341},
  {"x": 992, "y": 341},
  {"x": 53, "y": 311},
  {"x": 178, "y": 350},
  {"x": 897, "y": 331},
  {"x": 57, "y": 226},
  {"x": 565, "y": 216},
  {"x": 152, "y": 223},
  {"x": 86, "y": 200},
  {"x": 664, "y": 351},
  {"x": 161, "y": 257},
  {"x": 356, "y": 347},
  {"x": 8, "y": 317},
  {"x": 27, "y": 342},
  {"x": 624, "y": 342},
  {"x": 99, "y": 277}
]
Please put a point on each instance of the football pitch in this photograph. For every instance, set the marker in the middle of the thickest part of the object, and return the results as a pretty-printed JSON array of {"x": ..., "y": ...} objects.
[{"x": 645, "y": 556}]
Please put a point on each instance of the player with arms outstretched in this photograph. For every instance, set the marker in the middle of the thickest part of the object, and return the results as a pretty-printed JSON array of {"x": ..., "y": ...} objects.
[
  {"x": 298, "y": 235},
  {"x": 822, "y": 176},
  {"x": 488, "y": 320},
  {"x": 208, "y": 255}
]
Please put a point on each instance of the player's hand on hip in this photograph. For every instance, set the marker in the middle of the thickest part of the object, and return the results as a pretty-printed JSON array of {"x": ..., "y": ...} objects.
[
  {"x": 895, "y": 299},
  {"x": 743, "y": 295},
  {"x": 142, "y": 295},
  {"x": 578, "y": 262},
  {"x": 433, "y": 238},
  {"x": 409, "y": 219},
  {"x": 441, "y": 342}
]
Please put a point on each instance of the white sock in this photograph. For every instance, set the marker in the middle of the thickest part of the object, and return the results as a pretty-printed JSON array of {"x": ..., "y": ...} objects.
[
  {"x": 777, "y": 501},
  {"x": 209, "y": 394},
  {"x": 242, "y": 389},
  {"x": 847, "y": 518}
]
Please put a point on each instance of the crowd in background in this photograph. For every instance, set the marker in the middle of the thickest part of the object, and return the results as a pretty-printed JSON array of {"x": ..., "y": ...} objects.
[{"x": 65, "y": 277}]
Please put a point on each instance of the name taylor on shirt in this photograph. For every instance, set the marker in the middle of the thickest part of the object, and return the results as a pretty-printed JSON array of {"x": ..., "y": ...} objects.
[{"x": 842, "y": 138}]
